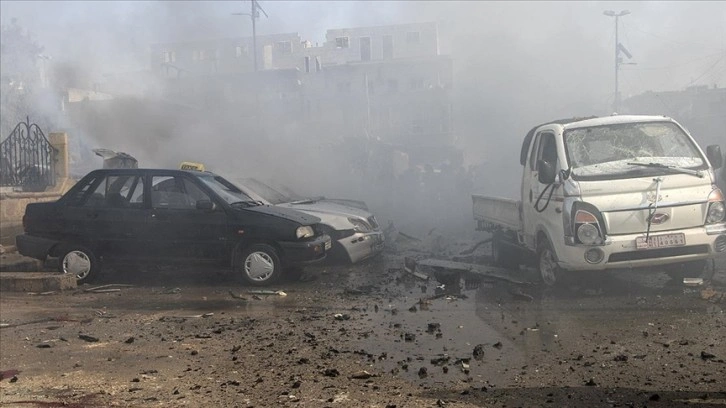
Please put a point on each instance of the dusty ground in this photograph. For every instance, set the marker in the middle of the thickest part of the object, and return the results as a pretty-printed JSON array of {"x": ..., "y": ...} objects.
[{"x": 369, "y": 335}]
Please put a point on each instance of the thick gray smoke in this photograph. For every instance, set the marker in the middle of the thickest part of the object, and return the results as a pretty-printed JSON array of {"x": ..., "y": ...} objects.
[{"x": 516, "y": 64}]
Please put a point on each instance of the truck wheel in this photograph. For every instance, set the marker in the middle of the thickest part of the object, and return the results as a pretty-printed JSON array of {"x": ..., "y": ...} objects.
[
  {"x": 79, "y": 261},
  {"x": 502, "y": 254},
  {"x": 690, "y": 269},
  {"x": 260, "y": 265},
  {"x": 549, "y": 271}
]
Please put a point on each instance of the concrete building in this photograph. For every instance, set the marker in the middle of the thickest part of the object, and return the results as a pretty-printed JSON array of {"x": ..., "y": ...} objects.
[
  {"x": 701, "y": 109},
  {"x": 386, "y": 82}
]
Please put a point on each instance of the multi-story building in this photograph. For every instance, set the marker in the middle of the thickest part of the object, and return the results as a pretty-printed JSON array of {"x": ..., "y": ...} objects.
[{"x": 388, "y": 83}]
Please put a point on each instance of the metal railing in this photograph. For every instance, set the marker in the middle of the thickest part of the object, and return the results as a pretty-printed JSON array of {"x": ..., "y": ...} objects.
[{"x": 27, "y": 159}]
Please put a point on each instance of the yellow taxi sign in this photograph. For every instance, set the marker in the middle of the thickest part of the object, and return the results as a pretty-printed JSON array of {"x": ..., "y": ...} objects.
[{"x": 191, "y": 166}]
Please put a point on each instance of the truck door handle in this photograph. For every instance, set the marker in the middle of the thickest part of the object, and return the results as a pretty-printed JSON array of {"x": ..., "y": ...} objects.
[{"x": 530, "y": 195}]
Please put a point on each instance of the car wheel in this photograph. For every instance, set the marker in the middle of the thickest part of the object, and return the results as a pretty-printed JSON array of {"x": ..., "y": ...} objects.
[
  {"x": 260, "y": 265},
  {"x": 690, "y": 269},
  {"x": 79, "y": 261},
  {"x": 549, "y": 271},
  {"x": 502, "y": 254}
]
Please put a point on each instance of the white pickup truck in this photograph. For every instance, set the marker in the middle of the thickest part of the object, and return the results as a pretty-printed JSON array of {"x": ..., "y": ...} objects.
[{"x": 610, "y": 192}]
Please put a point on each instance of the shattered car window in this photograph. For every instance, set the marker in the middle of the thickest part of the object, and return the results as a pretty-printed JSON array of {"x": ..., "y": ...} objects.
[{"x": 607, "y": 150}]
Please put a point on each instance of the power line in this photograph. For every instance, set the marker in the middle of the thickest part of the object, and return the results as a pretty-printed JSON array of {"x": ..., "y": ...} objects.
[
  {"x": 670, "y": 40},
  {"x": 706, "y": 71}
]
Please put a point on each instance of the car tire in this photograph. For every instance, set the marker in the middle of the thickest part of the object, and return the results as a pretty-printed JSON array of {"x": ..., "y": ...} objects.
[
  {"x": 259, "y": 265},
  {"x": 503, "y": 254},
  {"x": 80, "y": 261},
  {"x": 690, "y": 269},
  {"x": 549, "y": 272}
]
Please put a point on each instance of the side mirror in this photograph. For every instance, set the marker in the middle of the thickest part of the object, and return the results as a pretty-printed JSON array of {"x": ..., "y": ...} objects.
[
  {"x": 546, "y": 172},
  {"x": 713, "y": 152},
  {"x": 206, "y": 205}
]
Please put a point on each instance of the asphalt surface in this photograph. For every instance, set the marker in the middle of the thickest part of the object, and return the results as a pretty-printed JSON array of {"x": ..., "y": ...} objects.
[{"x": 368, "y": 335}]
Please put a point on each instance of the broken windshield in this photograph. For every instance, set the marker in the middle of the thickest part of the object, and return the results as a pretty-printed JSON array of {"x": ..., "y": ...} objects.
[
  {"x": 225, "y": 189},
  {"x": 617, "y": 150}
]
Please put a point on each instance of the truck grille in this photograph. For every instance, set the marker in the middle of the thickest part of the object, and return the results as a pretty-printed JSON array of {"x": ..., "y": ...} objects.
[{"x": 658, "y": 253}]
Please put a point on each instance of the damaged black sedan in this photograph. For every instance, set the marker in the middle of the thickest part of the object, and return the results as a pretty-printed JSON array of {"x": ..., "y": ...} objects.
[{"x": 163, "y": 216}]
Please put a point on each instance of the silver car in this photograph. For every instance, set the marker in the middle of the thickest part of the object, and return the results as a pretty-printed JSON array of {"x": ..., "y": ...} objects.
[{"x": 354, "y": 230}]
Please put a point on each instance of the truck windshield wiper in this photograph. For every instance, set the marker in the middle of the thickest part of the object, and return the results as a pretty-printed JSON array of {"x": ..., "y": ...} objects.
[
  {"x": 696, "y": 173},
  {"x": 312, "y": 200},
  {"x": 247, "y": 203}
]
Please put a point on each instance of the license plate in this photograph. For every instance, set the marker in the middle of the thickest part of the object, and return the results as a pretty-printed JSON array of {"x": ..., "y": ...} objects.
[
  {"x": 328, "y": 245},
  {"x": 661, "y": 241}
]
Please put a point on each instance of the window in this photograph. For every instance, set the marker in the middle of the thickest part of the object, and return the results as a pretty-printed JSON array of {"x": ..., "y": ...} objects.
[
  {"x": 307, "y": 64},
  {"x": 547, "y": 150},
  {"x": 413, "y": 37},
  {"x": 283, "y": 47},
  {"x": 342, "y": 42},
  {"x": 169, "y": 56},
  {"x": 240, "y": 51},
  {"x": 175, "y": 193},
  {"x": 117, "y": 192},
  {"x": 417, "y": 83}
]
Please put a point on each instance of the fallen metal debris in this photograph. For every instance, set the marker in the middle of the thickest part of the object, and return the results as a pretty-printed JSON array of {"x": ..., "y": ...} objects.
[
  {"x": 267, "y": 292},
  {"x": 236, "y": 296},
  {"x": 487, "y": 271},
  {"x": 409, "y": 265},
  {"x": 113, "y": 287},
  {"x": 477, "y": 245}
]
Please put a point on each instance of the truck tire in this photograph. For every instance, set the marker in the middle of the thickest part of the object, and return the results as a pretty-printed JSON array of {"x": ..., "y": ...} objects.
[
  {"x": 690, "y": 269},
  {"x": 503, "y": 254},
  {"x": 259, "y": 265},
  {"x": 79, "y": 261},
  {"x": 549, "y": 272}
]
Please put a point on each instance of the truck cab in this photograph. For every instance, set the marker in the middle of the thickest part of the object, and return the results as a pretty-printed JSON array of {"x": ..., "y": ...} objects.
[{"x": 617, "y": 192}]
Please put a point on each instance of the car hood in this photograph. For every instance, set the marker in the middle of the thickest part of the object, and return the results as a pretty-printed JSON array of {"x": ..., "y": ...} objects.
[
  {"x": 327, "y": 207},
  {"x": 300, "y": 217},
  {"x": 334, "y": 214}
]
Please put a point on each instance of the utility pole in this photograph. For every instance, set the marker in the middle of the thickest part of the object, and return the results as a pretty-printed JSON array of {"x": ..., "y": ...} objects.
[
  {"x": 254, "y": 14},
  {"x": 618, "y": 49}
]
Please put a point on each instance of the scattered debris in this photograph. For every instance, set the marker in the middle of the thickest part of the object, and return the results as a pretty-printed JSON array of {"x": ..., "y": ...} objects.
[
  {"x": 237, "y": 296},
  {"x": 339, "y": 316},
  {"x": 591, "y": 382},
  {"x": 487, "y": 271},
  {"x": 423, "y": 372},
  {"x": 331, "y": 372},
  {"x": 478, "y": 352},
  {"x": 409, "y": 265},
  {"x": 521, "y": 295},
  {"x": 712, "y": 295},
  {"x": 362, "y": 375},
  {"x": 267, "y": 292},
  {"x": 172, "y": 291},
  {"x": 693, "y": 281},
  {"x": 497, "y": 345},
  {"x": 8, "y": 374},
  {"x": 88, "y": 338},
  {"x": 113, "y": 287},
  {"x": 472, "y": 249},
  {"x": 707, "y": 356},
  {"x": 129, "y": 340}
]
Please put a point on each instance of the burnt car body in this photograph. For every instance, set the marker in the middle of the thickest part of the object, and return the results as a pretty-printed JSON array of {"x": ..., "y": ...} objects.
[
  {"x": 354, "y": 230},
  {"x": 162, "y": 216}
]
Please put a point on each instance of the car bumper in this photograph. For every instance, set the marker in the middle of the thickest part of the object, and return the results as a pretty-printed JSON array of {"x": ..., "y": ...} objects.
[
  {"x": 34, "y": 247},
  {"x": 362, "y": 245},
  {"x": 621, "y": 252},
  {"x": 305, "y": 252}
]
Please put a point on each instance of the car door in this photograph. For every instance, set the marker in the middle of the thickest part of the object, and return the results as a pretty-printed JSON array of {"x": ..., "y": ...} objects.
[
  {"x": 180, "y": 230},
  {"x": 109, "y": 215},
  {"x": 538, "y": 206}
]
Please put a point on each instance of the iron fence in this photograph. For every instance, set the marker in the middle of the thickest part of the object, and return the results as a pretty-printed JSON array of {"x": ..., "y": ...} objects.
[{"x": 27, "y": 159}]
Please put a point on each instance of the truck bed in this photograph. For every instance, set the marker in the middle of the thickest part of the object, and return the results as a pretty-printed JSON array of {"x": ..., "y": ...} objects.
[{"x": 494, "y": 213}]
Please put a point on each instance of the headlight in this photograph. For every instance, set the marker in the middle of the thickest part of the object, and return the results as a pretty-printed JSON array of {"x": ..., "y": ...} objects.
[
  {"x": 586, "y": 228},
  {"x": 588, "y": 234},
  {"x": 716, "y": 212},
  {"x": 304, "y": 232},
  {"x": 359, "y": 225},
  {"x": 715, "y": 207}
]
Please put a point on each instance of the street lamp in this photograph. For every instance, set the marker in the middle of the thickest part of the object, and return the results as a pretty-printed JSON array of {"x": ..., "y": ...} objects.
[
  {"x": 254, "y": 15},
  {"x": 618, "y": 48}
]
